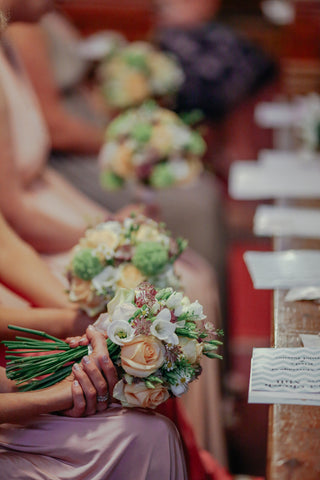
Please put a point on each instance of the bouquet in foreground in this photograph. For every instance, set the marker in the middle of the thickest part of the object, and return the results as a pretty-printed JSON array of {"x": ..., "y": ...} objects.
[
  {"x": 118, "y": 254},
  {"x": 150, "y": 146},
  {"x": 156, "y": 339}
]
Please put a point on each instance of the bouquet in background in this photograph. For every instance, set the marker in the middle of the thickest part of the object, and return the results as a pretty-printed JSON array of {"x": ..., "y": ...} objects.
[
  {"x": 118, "y": 254},
  {"x": 138, "y": 71},
  {"x": 151, "y": 146},
  {"x": 156, "y": 340}
]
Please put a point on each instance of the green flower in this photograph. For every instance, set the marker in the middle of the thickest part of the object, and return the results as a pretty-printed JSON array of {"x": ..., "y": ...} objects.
[
  {"x": 197, "y": 145},
  {"x": 86, "y": 265},
  {"x": 150, "y": 258},
  {"x": 162, "y": 176},
  {"x": 141, "y": 132},
  {"x": 136, "y": 60},
  {"x": 119, "y": 126},
  {"x": 110, "y": 181}
]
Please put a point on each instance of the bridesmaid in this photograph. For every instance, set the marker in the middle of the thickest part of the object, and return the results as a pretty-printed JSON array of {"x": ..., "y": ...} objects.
[{"x": 115, "y": 443}]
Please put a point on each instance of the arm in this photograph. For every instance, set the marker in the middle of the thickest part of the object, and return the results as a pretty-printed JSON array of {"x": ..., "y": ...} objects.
[
  {"x": 95, "y": 376},
  {"x": 22, "y": 270},
  {"x": 68, "y": 132},
  {"x": 17, "y": 406},
  {"x": 43, "y": 231}
]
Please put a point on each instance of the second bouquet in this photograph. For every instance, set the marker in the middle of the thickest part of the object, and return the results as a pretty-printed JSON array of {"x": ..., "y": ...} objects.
[{"x": 123, "y": 254}]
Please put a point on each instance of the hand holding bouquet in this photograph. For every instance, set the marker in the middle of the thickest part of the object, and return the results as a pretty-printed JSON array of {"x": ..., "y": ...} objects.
[
  {"x": 151, "y": 146},
  {"x": 155, "y": 338},
  {"x": 138, "y": 71},
  {"x": 118, "y": 254}
]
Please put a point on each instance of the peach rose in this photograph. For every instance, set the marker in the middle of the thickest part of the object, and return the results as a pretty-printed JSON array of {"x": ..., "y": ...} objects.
[
  {"x": 138, "y": 395},
  {"x": 94, "y": 238},
  {"x": 161, "y": 139},
  {"x": 121, "y": 161},
  {"x": 142, "y": 356},
  {"x": 81, "y": 292},
  {"x": 130, "y": 277}
]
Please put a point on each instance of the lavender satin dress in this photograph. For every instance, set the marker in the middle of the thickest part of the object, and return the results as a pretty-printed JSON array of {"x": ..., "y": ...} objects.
[{"x": 119, "y": 444}]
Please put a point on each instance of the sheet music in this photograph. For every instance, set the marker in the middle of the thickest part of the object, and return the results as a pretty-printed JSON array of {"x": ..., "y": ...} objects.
[
  {"x": 285, "y": 269},
  {"x": 251, "y": 180},
  {"x": 285, "y": 375},
  {"x": 272, "y": 220}
]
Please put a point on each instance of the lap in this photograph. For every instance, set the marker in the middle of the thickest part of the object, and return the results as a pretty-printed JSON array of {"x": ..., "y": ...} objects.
[{"x": 120, "y": 443}]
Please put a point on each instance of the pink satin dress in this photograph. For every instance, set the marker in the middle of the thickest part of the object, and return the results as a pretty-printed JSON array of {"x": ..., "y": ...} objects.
[
  {"x": 120, "y": 444},
  {"x": 49, "y": 191}
]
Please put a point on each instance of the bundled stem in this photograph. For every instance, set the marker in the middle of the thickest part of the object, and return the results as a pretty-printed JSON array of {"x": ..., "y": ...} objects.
[{"x": 27, "y": 370}]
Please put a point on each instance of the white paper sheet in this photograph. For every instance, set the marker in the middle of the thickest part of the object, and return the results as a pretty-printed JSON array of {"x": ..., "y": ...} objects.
[
  {"x": 272, "y": 220},
  {"x": 284, "y": 270},
  {"x": 285, "y": 375},
  {"x": 271, "y": 157},
  {"x": 303, "y": 293},
  {"x": 310, "y": 341},
  {"x": 252, "y": 180},
  {"x": 275, "y": 114}
]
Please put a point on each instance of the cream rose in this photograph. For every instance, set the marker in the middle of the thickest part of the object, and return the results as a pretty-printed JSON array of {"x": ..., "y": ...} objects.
[
  {"x": 138, "y": 395},
  {"x": 94, "y": 238},
  {"x": 130, "y": 276},
  {"x": 147, "y": 233},
  {"x": 191, "y": 349},
  {"x": 81, "y": 291},
  {"x": 142, "y": 356}
]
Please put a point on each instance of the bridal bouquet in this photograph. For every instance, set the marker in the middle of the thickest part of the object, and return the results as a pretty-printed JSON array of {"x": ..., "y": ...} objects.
[
  {"x": 138, "y": 71},
  {"x": 156, "y": 339},
  {"x": 118, "y": 254},
  {"x": 151, "y": 146}
]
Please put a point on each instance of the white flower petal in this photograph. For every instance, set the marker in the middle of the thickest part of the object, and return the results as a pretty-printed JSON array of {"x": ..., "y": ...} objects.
[
  {"x": 123, "y": 312},
  {"x": 120, "y": 332},
  {"x": 164, "y": 314}
]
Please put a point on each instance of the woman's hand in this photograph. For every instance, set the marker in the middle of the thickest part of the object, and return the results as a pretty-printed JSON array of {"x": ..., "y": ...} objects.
[{"x": 94, "y": 378}]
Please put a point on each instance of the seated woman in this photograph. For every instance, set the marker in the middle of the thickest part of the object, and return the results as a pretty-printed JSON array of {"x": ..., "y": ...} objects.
[
  {"x": 37, "y": 44},
  {"x": 115, "y": 443}
]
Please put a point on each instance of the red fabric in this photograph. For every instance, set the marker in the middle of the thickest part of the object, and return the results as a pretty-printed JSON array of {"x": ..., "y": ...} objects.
[
  {"x": 200, "y": 464},
  {"x": 249, "y": 310},
  {"x": 2, "y": 355}
]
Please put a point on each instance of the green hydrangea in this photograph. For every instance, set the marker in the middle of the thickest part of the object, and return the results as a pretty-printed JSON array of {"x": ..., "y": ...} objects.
[
  {"x": 110, "y": 181},
  {"x": 197, "y": 145},
  {"x": 119, "y": 126},
  {"x": 162, "y": 176},
  {"x": 86, "y": 265},
  {"x": 136, "y": 60},
  {"x": 150, "y": 258},
  {"x": 141, "y": 132}
]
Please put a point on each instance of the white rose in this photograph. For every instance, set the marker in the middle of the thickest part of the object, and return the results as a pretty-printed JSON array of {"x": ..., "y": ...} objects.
[
  {"x": 123, "y": 295},
  {"x": 191, "y": 349},
  {"x": 123, "y": 312}
]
